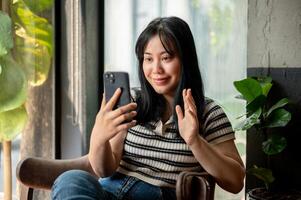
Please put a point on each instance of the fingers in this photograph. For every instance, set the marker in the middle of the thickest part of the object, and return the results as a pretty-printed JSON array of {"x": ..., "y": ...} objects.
[
  {"x": 125, "y": 117},
  {"x": 123, "y": 109},
  {"x": 189, "y": 103},
  {"x": 123, "y": 114},
  {"x": 111, "y": 103},
  {"x": 179, "y": 112},
  {"x": 126, "y": 126},
  {"x": 184, "y": 94}
]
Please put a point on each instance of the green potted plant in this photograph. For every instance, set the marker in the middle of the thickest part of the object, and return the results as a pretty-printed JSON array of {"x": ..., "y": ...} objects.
[{"x": 263, "y": 116}]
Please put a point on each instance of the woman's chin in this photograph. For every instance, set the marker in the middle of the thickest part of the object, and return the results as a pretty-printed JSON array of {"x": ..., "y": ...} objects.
[{"x": 163, "y": 91}]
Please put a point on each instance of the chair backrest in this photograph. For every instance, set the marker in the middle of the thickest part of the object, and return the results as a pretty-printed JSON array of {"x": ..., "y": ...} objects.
[{"x": 41, "y": 172}]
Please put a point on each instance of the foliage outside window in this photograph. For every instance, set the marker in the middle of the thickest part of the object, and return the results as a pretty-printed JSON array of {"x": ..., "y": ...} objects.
[{"x": 26, "y": 49}]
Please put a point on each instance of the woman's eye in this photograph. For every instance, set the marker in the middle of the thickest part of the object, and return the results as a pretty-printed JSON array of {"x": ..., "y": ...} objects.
[
  {"x": 147, "y": 59},
  {"x": 165, "y": 58}
]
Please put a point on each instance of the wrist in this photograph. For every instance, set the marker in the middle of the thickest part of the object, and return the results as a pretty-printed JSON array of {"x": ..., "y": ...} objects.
[{"x": 193, "y": 141}]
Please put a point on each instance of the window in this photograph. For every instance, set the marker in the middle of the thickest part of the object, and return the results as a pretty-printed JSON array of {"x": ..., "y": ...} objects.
[{"x": 220, "y": 32}]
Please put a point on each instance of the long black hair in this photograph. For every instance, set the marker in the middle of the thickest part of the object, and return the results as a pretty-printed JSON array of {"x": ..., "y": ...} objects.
[{"x": 176, "y": 38}]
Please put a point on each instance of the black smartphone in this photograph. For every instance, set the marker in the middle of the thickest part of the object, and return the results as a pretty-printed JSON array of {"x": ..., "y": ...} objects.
[{"x": 114, "y": 80}]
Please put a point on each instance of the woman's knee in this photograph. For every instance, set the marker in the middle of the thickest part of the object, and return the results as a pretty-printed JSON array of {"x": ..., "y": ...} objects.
[
  {"x": 75, "y": 184},
  {"x": 74, "y": 177}
]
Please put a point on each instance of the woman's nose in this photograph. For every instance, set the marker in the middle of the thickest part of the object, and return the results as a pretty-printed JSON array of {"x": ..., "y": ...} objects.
[{"x": 157, "y": 67}]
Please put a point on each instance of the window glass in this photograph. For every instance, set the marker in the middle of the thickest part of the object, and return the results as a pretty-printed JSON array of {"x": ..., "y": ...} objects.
[{"x": 220, "y": 31}]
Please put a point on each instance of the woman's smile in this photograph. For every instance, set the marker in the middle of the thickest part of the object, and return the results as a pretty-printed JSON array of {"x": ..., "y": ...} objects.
[{"x": 161, "y": 81}]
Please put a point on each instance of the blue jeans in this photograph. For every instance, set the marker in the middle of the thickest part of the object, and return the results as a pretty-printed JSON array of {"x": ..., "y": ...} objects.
[{"x": 77, "y": 184}]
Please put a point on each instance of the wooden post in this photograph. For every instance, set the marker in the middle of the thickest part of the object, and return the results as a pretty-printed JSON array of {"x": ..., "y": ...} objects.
[
  {"x": 4, "y": 6},
  {"x": 7, "y": 163},
  {"x": 7, "y": 170}
]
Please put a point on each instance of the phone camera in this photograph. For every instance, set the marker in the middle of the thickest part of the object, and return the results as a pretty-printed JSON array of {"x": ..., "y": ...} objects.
[{"x": 110, "y": 77}]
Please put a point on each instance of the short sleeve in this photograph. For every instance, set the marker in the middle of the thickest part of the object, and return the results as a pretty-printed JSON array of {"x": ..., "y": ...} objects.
[{"x": 217, "y": 127}]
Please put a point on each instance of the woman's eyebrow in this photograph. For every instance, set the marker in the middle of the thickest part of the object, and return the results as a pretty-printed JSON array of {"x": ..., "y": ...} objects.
[{"x": 162, "y": 52}]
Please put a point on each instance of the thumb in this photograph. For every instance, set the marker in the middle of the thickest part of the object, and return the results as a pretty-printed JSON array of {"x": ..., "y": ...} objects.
[{"x": 103, "y": 101}]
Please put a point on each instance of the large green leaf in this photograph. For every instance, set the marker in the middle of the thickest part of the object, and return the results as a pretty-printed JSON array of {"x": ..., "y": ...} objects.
[
  {"x": 266, "y": 83},
  {"x": 266, "y": 88},
  {"x": 33, "y": 43},
  {"x": 250, "y": 121},
  {"x": 37, "y": 6},
  {"x": 6, "y": 38},
  {"x": 263, "y": 174},
  {"x": 263, "y": 80},
  {"x": 31, "y": 26},
  {"x": 257, "y": 103},
  {"x": 278, "y": 118},
  {"x": 249, "y": 88},
  {"x": 277, "y": 105},
  {"x": 274, "y": 145},
  {"x": 13, "y": 85},
  {"x": 12, "y": 123},
  {"x": 36, "y": 59}
]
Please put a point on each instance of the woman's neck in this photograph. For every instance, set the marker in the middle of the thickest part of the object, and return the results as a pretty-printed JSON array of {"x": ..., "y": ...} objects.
[
  {"x": 166, "y": 116},
  {"x": 168, "y": 111}
]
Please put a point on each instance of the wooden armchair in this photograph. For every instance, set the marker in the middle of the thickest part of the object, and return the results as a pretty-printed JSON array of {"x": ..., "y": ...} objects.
[{"x": 40, "y": 173}]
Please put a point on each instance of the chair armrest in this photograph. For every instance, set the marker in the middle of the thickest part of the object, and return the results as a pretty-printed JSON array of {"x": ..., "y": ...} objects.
[
  {"x": 195, "y": 185},
  {"x": 41, "y": 172}
]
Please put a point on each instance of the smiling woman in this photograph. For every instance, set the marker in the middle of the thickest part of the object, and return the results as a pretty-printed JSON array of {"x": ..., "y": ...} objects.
[
  {"x": 219, "y": 28},
  {"x": 169, "y": 128}
]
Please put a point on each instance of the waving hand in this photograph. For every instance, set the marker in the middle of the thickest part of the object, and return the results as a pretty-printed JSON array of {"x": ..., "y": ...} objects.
[{"x": 187, "y": 119}]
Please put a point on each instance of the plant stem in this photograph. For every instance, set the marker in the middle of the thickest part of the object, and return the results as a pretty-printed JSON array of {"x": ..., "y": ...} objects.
[
  {"x": 265, "y": 135},
  {"x": 7, "y": 170},
  {"x": 268, "y": 158}
]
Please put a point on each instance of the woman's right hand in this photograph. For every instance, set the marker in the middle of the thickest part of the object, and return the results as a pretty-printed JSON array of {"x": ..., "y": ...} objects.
[{"x": 110, "y": 122}]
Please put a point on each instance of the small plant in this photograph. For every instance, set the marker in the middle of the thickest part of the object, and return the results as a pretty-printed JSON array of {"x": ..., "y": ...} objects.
[{"x": 263, "y": 116}]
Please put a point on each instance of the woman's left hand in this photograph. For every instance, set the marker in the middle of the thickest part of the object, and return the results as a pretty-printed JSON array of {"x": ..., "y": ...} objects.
[
  {"x": 222, "y": 160},
  {"x": 188, "y": 121}
]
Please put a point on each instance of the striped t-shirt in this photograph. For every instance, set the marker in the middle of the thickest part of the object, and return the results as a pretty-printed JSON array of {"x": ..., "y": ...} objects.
[{"x": 157, "y": 154}]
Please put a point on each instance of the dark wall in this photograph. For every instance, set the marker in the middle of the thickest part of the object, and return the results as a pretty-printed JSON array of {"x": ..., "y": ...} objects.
[{"x": 287, "y": 165}]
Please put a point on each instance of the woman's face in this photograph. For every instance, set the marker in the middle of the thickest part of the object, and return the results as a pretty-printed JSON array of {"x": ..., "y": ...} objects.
[{"x": 161, "y": 69}]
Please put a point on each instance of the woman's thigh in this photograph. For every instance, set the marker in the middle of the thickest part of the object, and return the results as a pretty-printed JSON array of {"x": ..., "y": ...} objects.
[
  {"x": 145, "y": 191},
  {"x": 77, "y": 184},
  {"x": 131, "y": 188}
]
